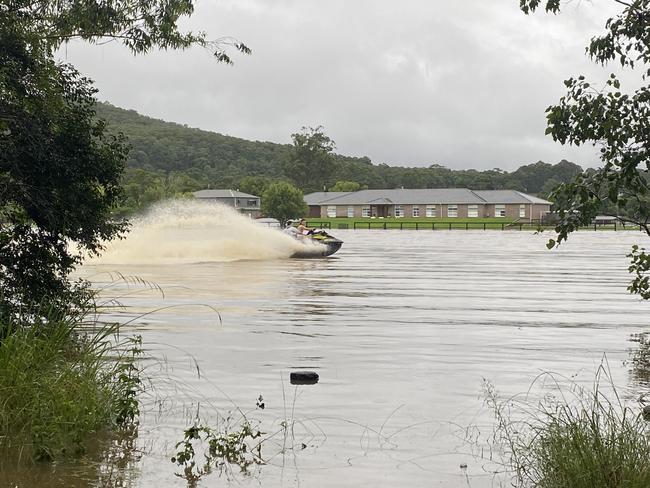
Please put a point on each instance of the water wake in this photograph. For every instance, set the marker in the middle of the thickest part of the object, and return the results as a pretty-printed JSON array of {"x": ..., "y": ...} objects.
[{"x": 188, "y": 231}]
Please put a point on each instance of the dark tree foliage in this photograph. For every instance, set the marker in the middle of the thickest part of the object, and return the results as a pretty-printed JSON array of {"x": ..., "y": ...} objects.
[
  {"x": 311, "y": 163},
  {"x": 617, "y": 122},
  {"x": 141, "y": 25},
  {"x": 60, "y": 170},
  {"x": 534, "y": 178},
  {"x": 59, "y": 173},
  {"x": 283, "y": 201},
  {"x": 254, "y": 185},
  {"x": 214, "y": 160},
  {"x": 346, "y": 186}
]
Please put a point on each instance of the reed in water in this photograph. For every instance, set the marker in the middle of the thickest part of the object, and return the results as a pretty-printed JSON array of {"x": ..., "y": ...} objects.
[
  {"x": 63, "y": 380},
  {"x": 573, "y": 438}
]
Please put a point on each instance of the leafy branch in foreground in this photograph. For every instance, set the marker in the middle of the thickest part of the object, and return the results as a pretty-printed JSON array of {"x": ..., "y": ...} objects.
[
  {"x": 141, "y": 25},
  {"x": 640, "y": 265},
  {"x": 618, "y": 123},
  {"x": 59, "y": 177},
  {"x": 126, "y": 377},
  {"x": 236, "y": 447},
  {"x": 237, "y": 442},
  {"x": 60, "y": 169}
]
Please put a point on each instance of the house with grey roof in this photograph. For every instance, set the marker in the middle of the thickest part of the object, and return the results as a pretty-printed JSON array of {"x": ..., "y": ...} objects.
[
  {"x": 434, "y": 202},
  {"x": 321, "y": 196},
  {"x": 242, "y": 202}
]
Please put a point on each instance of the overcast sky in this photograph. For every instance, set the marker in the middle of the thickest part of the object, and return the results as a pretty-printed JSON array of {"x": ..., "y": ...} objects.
[{"x": 462, "y": 83}]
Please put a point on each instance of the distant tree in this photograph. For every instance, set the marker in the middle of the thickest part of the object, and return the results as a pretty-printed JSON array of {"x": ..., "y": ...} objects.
[
  {"x": 311, "y": 164},
  {"x": 617, "y": 122},
  {"x": 346, "y": 186},
  {"x": 534, "y": 177},
  {"x": 283, "y": 201},
  {"x": 140, "y": 189},
  {"x": 254, "y": 185},
  {"x": 357, "y": 169},
  {"x": 549, "y": 187},
  {"x": 634, "y": 209},
  {"x": 179, "y": 183}
]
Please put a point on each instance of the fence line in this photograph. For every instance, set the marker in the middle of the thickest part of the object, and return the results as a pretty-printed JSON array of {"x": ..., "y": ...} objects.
[{"x": 455, "y": 225}]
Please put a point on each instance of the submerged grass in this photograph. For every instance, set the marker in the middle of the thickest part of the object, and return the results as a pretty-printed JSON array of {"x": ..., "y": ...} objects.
[
  {"x": 60, "y": 385},
  {"x": 573, "y": 438}
]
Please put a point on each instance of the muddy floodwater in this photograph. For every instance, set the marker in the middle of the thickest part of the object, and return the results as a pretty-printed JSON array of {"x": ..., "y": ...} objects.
[{"x": 402, "y": 327}]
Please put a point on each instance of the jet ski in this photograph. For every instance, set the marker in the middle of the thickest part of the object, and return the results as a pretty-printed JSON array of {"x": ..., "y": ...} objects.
[{"x": 317, "y": 244}]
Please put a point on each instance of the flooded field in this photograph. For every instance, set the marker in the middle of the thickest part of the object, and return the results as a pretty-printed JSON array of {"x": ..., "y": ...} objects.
[{"x": 403, "y": 328}]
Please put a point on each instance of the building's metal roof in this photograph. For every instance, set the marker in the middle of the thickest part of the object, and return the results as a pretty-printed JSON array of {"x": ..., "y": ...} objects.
[
  {"x": 381, "y": 201},
  {"x": 317, "y": 198},
  {"x": 534, "y": 199},
  {"x": 403, "y": 197},
  {"x": 222, "y": 194},
  {"x": 509, "y": 196},
  {"x": 422, "y": 197}
]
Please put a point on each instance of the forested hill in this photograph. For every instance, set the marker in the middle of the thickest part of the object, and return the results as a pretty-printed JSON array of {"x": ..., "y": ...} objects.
[
  {"x": 167, "y": 146},
  {"x": 168, "y": 158}
]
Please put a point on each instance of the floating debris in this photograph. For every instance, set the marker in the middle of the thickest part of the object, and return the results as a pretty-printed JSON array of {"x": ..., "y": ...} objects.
[{"x": 303, "y": 378}]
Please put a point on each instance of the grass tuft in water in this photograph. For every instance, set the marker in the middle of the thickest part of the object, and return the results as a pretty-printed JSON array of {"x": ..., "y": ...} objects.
[
  {"x": 573, "y": 438},
  {"x": 61, "y": 384}
]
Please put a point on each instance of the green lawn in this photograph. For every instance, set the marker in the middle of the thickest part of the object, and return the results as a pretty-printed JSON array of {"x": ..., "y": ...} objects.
[
  {"x": 411, "y": 223},
  {"x": 440, "y": 223}
]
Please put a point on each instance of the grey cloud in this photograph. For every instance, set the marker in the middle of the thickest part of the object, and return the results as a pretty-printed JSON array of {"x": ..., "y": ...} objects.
[{"x": 464, "y": 83}]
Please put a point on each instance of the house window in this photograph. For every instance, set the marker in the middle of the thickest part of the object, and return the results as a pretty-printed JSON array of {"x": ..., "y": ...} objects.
[
  {"x": 522, "y": 210},
  {"x": 331, "y": 211},
  {"x": 399, "y": 211},
  {"x": 499, "y": 210},
  {"x": 252, "y": 203},
  {"x": 452, "y": 210},
  {"x": 350, "y": 212},
  {"x": 431, "y": 211},
  {"x": 472, "y": 210},
  {"x": 416, "y": 211},
  {"x": 365, "y": 211}
]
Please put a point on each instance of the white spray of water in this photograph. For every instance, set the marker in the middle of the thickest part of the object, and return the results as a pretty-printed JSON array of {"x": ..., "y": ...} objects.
[{"x": 189, "y": 231}]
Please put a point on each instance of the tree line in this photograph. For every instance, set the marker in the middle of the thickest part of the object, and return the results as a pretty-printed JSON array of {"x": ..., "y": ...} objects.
[{"x": 168, "y": 159}]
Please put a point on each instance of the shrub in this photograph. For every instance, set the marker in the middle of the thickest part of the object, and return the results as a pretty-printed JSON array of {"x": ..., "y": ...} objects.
[
  {"x": 59, "y": 385},
  {"x": 574, "y": 438}
]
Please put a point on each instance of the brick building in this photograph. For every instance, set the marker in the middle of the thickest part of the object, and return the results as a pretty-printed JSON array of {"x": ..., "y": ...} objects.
[{"x": 447, "y": 203}]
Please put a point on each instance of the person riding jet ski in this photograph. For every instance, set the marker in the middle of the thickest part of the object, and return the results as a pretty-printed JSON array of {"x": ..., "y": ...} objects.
[
  {"x": 290, "y": 229},
  {"x": 303, "y": 229},
  {"x": 327, "y": 245}
]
